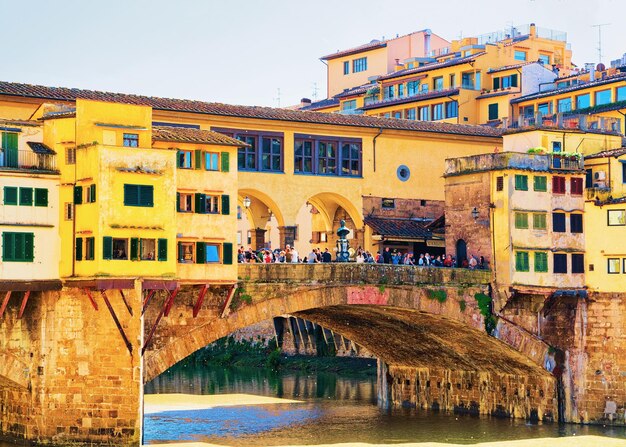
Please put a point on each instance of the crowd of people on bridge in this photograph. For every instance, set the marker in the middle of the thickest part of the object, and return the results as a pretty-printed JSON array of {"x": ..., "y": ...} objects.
[{"x": 387, "y": 256}]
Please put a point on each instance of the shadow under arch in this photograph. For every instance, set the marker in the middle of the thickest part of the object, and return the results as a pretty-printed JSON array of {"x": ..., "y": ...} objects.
[
  {"x": 265, "y": 199},
  {"x": 322, "y": 202}
]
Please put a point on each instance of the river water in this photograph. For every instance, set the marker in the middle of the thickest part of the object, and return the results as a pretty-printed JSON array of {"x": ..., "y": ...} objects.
[{"x": 333, "y": 409}]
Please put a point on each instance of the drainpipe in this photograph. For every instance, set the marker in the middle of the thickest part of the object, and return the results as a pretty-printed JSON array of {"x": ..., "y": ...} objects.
[{"x": 380, "y": 132}]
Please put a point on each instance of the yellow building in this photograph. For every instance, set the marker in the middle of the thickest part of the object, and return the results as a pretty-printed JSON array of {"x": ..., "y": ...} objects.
[
  {"x": 585, "y": 105},
  {"x": 29, "y": 210},
  {"x": 353, "y": 67},
  {"x": 605, "y": 211}
]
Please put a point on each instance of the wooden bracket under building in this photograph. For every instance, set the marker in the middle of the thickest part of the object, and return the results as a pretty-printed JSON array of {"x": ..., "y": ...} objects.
[
  {"x": 229, "y": 299},
  {"x": 5, "y": 302},
  {"x": 167, "y": 305},
  {"x": 130, "y": 309},
  {"x": 196, "y": 308},
  {"x": 93, "y": 302},
  {"x": 129, "y": 346},
  {"x": 146, "y": 301},
  {"x": 24, "y": 301}
]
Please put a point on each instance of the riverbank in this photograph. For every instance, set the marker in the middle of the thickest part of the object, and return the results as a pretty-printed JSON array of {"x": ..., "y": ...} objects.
[
  {"x": 157, "y": 403},
  {"x": 579, "y": 441}
]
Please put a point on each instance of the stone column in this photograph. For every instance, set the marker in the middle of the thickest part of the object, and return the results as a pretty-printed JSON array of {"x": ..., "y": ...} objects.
[{"x": 257, "y": 238}]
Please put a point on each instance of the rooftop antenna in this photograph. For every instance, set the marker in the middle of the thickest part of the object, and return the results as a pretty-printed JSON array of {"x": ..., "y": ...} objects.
[
  {"x": 277, "y": 99},
  {"x": 315, "y": 91},
  {"x": 599, "y": 26}
]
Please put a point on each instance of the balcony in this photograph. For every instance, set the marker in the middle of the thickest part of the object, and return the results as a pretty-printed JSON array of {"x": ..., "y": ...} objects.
[
  {"x": 511, "y": 160},
  {"x": 570, "y": 121},
  {"x": 566, "y": 162},
  {"x": 27, "y": 160}
]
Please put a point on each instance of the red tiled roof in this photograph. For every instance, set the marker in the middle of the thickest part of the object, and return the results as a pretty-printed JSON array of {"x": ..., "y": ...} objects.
[
  {"x": 253, "y": 112},
  {"x": 374, "y": 44},
  {"x": 190, "y": 135},
  {"x": 18, "y": 123},
  {"x": 510, "y": 67},
  {"x": 618, "y": 152},
  {"x": 414, "y": 98},
  {"x": 356, "y": 90},
  {"x": 433, "y": 66},
  {"x": 322, "y": 104},
  {"x": 572, "y": 88},
  {"x": 498, "y": 93},
  {"x": 398, "y": 227}
]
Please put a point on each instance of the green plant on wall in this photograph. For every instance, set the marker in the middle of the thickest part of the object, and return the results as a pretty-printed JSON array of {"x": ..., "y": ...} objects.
[
  {"x": 439, "y": 295},
  {"x": 240, "y": 297},
  {"x": 382, "y": 283},
  {"x": 462, "y": 305},
  {"x": 484, "y": 306}
]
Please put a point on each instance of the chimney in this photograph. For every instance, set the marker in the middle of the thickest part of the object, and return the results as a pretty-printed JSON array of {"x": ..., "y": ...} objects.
[
  {"x": 427, "y": 34},
  {"x": 305, "y": 102},
  {"x": 591, "y": 68},
  {"x": 398, "y": 66},
  {"x": 533, "y": 30}
]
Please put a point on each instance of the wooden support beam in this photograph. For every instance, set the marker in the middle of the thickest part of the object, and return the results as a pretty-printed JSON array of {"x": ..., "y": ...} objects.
[
  {"x": 229, "y": 299},
  {"x": 196, "y": 308},
  {"x": 24, "y": 301},
  {"x": 130, "y": 309},
  {"x": 156, "y": 323},
  {"x": 146, "y": 301},
  {"x": 93, "y": 302},
  {"x": 171, "y": 302},
  {"x": 129, "y": 346},
  {"x": 5, "y": 302}
]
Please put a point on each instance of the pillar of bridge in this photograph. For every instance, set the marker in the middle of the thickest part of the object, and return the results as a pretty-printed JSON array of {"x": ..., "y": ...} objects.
[{"x": 76, "y": 374}]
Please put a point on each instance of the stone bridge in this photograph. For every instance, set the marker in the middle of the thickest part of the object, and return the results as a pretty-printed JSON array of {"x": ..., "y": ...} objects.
[{"x": 73, "y": 362}]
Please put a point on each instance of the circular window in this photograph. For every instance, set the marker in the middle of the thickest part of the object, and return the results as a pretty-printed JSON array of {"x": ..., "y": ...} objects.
[{"x": 403, "y": 173}]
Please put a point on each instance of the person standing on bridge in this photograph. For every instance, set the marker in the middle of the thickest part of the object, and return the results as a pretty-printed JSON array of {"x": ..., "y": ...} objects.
[{"x": 387, "y": 256}]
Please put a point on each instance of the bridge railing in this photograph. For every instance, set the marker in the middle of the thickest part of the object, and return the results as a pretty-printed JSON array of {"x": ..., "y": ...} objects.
[{"x": 351, "y": 273}]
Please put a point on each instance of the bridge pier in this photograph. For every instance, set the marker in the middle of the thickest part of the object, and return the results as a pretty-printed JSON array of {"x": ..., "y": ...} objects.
[{"x": 73, "y": 380}]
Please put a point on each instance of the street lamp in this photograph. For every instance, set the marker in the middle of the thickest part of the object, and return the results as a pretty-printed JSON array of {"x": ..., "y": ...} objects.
[
  {"x": 247, "y": 202},
  {"x": 475, "y": 213}
]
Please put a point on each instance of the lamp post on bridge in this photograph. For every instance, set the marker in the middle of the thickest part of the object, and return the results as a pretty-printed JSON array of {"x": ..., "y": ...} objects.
[{"x": 343, "y": 255}]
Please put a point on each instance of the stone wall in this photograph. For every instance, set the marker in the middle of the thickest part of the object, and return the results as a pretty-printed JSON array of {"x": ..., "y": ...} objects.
[
  {"x": 403, "y": 208},
  {"x": 502, "y": 395},
  {"x": 82, "y": 384}
]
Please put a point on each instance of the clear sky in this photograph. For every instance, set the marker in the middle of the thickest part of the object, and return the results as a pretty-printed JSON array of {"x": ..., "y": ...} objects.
[{"x": 243, "y": 51}]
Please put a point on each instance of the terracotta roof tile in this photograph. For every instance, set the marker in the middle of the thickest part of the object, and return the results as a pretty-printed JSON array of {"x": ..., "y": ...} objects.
[
  {"x": 618, "y": 152},
  {"x": 398, "y": 227},
  {"x": 616, "y": 78},
  {"x": 433, "y": 66},
  {"x": 414, "y": 98},
  {"x": 356, "y": 90},
  {"x": 322, "y": 104},
  {"x": 18, "y": 123},
  {"x": 374, "y": 44},
  {"x": 510, "y": 67},
  {"x": 190, "y": 135},
  {"x": 256, "y": 112}
]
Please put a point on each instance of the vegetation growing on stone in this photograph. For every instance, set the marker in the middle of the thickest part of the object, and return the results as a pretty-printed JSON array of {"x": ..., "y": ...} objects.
[
  {"x": 484, "y": 305},
  {"x": 439, "y": 295}
]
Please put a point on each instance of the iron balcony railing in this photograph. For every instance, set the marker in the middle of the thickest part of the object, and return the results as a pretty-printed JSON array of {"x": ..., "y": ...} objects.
[
  {"x": 566, "y": 162},
  {"x": 27, "y": 160}
]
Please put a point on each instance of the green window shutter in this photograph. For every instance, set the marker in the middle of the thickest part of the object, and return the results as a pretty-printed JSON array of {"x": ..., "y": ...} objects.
[
  {"x": 493, "y": 111},
  {"x": 79, "y": 248},
  {"x": 90, "y": 248},
  {"x": 541, "y": 261},
  {"x": 198, "y": 157},
  {"x": 225, "y": 204},
  {"x": 26, "y": 196},
  {"x": 6, "y": 244},
  {"x": 540, "y": 183},
  {"x": 180, "y": 252},
  {"x": 29, "y": 247},
  {"x": 496, "y": 83},
  {"x": 521, "y": 182},
  {"x": 225, "y": 162},
  {"x": 162, "y": 250},
  {"x": 521, "y": 220},
  {"x": 92, "y": 192},
  {"x": 134, "y": 248},
  {"x": 521, "y": 261},
  {"x": 200, "y": 200},
  {"x": 514, "y": 80},
  {"x": 146, "y": 195},
  {"x": 227, "y": 253},
  {"x": 78, "y": 195},
  {"x": 178, "y": 202},
  {"x": 107, "y": 247},
  {"x": 200, "y": 252},
  {"x": 41, "y": 197},
  {"x": 10, "y": 195},
  {"x": 539, "y": 221}
]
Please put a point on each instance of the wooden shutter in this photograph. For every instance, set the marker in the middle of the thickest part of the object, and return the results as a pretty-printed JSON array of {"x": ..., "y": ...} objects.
[
  {"x": 162, "y": 250},
  {"x": 107, "y": 247},
  {"x": 10, "y": 195},
  {"x": 89, "y": 252},
  {"x": 41, "y": 197},
  {"x": 134, "y": 248},
  {"x": 227, "y": 253},
  {"x": 78, "y": 195},
  {"x": 198, "y": 157},
  {"x": 178, "y": 202},
  {"x": 79, "y": 248},
  {"x": 180, "y": 252},
  {"x": 29, "y": 246},
  {"x": 200, "y": 252},
  {"x": 200, "y": 200},
  {"x": 496, "y": 83},
  {"x": 225, "y": 204},
  {"x": 225, "y": 162},
  {"x": 92, "y": 192},
  {"x": 146, "y": 195},
  {"x": 514, "y": 80}
]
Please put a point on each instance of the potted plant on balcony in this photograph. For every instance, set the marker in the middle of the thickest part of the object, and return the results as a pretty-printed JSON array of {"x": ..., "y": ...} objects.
[{"x": 538, "y": 150}]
